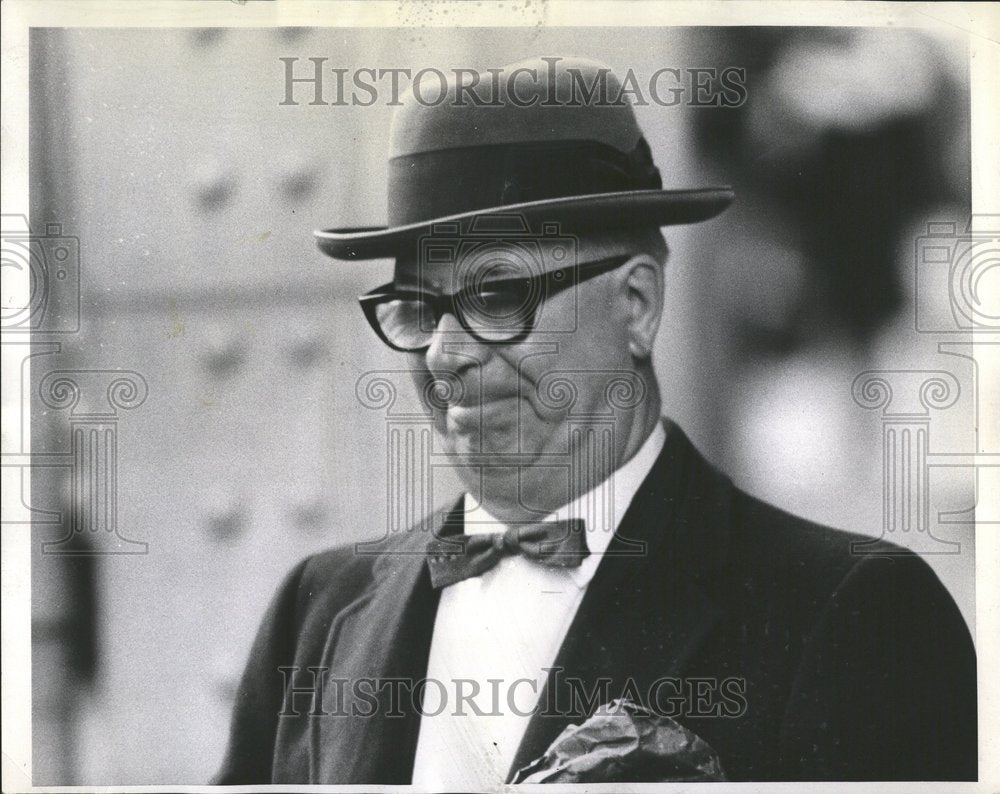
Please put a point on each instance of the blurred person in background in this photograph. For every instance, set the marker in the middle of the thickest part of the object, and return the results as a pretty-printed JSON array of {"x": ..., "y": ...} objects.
[{"x": 851, "y": 139}]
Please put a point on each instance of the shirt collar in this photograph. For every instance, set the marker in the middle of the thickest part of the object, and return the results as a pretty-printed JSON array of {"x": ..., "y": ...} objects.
[{"x": 602, "y": 508}]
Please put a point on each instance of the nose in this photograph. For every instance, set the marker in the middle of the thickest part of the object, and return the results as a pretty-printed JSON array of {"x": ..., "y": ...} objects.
[{"x": 452, "y": 348}]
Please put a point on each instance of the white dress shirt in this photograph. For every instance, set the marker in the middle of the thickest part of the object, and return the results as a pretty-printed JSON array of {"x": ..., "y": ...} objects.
[{"x": 495, "y": 635}]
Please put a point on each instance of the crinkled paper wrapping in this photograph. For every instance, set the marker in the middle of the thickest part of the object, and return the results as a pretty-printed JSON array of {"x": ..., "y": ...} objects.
[{"x": 625, "y": 743}]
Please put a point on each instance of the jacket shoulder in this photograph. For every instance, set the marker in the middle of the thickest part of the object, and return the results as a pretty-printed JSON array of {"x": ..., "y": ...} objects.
[
  {"x": 818, "y": 578},
  {"x": 775, "y": 556},
  {"x": 770, "y": 537}
]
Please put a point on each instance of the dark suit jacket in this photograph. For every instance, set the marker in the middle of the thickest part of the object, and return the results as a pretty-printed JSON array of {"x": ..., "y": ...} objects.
[{"x": 855, "y": 666}]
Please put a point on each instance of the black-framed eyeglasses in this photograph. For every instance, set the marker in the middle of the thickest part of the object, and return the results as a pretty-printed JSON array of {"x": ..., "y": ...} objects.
[{"x": 497, "y": 312}]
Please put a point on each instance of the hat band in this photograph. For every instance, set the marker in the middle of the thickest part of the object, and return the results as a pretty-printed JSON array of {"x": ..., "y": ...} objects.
[{"x": 436, "y": 184}]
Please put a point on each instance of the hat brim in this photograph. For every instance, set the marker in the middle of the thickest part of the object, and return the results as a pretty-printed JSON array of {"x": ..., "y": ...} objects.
[{"x": 596, "y": 212}]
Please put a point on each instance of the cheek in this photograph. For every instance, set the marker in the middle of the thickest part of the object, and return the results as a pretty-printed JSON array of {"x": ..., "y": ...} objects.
[
  {"x": 418, "y": 370},
  {"x": 576, "y": 375},
  {"x": 599, "y": 333},
  {"x": 423, "y": 382},
  {"x": 604, "y": 334}
]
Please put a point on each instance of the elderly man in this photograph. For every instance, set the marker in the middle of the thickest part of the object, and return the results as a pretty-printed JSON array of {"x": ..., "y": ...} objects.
[{"x": 596, "y": 558}]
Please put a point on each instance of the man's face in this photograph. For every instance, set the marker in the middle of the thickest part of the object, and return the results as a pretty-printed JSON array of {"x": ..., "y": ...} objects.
[{"x": 520, "y": 399}]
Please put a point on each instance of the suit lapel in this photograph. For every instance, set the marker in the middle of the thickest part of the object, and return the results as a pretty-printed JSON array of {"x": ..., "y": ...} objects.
[
  {"x": 643, "y": 616},
  {"x": 384, "y": 634}
]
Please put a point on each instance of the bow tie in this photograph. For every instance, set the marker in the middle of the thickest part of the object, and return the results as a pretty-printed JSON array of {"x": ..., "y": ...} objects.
[{"x": 554, "y": 544}]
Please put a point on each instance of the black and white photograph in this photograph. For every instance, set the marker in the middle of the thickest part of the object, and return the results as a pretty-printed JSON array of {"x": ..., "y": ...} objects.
[{"x": 454, "y": 397}]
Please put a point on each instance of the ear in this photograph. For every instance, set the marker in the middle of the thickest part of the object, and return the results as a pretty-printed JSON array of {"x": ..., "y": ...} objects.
[{"x": 642, "y": 289}]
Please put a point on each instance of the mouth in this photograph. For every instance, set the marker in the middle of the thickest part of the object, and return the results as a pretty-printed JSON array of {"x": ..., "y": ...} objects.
[
  {"x": 472, "y": 395},
  {"x": 471, "y": 412}
]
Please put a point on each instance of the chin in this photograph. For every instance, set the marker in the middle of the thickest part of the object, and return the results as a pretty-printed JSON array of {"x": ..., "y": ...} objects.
[
  {"x": 500, "y": 443},
  {"x": 486, "y": 440}
]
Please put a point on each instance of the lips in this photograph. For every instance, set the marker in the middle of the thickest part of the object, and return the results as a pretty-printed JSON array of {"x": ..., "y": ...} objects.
[
  {"x": 490, "y": 413},
  {"x": 453, "y": 393},
  {"x": 486, "y": 405},
  {"x": 484, "y": 402},
  {"x": 472, "y": 398}
]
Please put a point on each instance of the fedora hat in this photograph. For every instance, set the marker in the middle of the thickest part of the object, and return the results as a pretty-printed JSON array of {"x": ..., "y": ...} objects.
[{"x": 548, "y": 140}]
